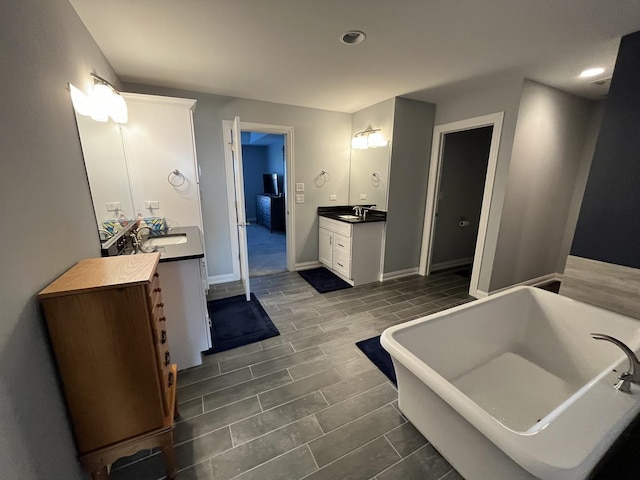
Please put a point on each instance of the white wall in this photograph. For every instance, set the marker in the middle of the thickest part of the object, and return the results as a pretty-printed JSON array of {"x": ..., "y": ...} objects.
[
  {"x": 547, "y": 150},
  {"x": 322, "y": 141},
  {"x": 47, "y": 223}
]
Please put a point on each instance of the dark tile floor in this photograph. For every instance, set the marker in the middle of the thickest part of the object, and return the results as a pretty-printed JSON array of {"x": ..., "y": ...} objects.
[{"x": 306, "y": 404}]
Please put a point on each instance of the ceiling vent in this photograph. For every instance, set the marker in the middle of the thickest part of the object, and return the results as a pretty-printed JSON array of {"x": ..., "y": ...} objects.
[{"x": 352, "y": 37}]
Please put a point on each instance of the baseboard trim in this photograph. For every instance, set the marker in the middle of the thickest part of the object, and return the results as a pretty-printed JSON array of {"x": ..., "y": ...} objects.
[
  {"x": 226, "y": 278},
  {"x": 399, "y": 274},
  {"x": 307, "y": 265},
  {"x": 451, "y": 264},
  {"x": 528, "y": 283}
]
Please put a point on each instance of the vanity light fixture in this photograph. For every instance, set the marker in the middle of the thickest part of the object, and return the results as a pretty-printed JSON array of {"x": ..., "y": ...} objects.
[
  {"x": 368, "y": 138},
  {"x": 103, "y": 102},
  {"x": 591, "y": 72}
]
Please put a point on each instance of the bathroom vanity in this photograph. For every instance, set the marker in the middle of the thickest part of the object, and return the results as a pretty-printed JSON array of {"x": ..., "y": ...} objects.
[
  {"x": 350, "y": 245},
  {"x": 184, "y": 286}
]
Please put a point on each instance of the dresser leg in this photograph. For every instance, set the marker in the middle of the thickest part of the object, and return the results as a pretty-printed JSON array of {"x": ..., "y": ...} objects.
[
  {"x": 169, "y": 456},
  {"x": 101, "y": 474}
]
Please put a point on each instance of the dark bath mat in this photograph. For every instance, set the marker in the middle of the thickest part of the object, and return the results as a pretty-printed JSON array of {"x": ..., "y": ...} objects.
[
  {"x": 323, "y": 280},
  {"x": 236, "y": 322},
  {"x": 379, "y": 356}
]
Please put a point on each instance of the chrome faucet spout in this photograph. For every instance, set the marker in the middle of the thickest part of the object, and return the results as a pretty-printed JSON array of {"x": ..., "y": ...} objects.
[{"x": 633, "y": 373}]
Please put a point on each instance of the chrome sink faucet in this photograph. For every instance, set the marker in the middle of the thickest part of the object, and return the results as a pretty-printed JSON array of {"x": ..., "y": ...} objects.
[
  {"x": 633, "y": 374},
  {"x": 358, "y": 210}
]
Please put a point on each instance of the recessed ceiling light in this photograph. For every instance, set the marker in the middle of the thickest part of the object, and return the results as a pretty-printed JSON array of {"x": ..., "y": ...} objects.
[
  {"x": 591, "y": 72},
  {"x": 352, "y": 37}
]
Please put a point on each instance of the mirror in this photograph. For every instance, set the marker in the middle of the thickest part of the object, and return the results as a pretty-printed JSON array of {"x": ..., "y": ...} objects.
[
  {"x": 104, "y": 159},
  {"x": 369, "y": 176}
]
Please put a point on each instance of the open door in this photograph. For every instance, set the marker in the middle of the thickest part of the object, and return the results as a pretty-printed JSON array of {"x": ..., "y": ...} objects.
[{"x": 241, "y": 220}]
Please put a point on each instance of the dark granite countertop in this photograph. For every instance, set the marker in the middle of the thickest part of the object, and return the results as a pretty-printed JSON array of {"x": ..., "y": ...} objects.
[
  {"x": 334, "y": 213},
  {"x": 183, "y": 251}
]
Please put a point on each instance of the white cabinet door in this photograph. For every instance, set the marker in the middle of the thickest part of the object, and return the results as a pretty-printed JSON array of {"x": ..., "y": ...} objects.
[{"x": 325, "y": 250}]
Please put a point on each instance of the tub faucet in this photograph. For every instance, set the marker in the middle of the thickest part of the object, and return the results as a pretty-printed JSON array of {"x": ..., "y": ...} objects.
[{"x": 633, "y": 373}]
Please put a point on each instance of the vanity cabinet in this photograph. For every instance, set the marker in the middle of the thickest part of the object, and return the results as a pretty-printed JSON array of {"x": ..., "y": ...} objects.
[
  {"x": 352, "y": 251},
  {"x": 107, "y": 327},
  {"x": 270, "y": 211}
]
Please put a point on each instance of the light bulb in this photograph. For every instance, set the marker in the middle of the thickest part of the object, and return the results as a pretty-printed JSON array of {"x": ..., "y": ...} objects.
[
  {"x": 118, "y": 109},
  {"x": 101, "y": 102},
  {"x": 80, "y": 101},
  {"x": 376, "y": 139}
]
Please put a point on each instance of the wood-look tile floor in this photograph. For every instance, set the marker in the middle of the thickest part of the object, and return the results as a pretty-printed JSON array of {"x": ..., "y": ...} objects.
[{"x": 306, "y": 404}]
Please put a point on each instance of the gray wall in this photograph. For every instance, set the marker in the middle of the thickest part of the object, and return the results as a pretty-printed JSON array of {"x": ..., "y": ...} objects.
[
  {"x": 412, "y": 133},
  {"x": 609, "y": 224},
  {"x": 47, "y": 224},
  {"x": 550, "y": 135},
  {"x": 322, "y": 141},
  {"x": 464, "y": 170}
]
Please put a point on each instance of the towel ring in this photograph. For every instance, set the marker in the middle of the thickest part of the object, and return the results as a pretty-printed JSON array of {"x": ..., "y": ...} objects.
[{"x": 176, "y": 173}]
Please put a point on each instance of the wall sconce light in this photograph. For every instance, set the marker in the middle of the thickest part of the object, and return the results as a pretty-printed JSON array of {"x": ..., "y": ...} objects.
[
  {"x": 368, "y": 138},
  {"x": 103, "y": 102}
]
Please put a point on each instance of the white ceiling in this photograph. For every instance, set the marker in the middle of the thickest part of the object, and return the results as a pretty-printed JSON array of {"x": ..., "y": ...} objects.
[{"x": 288, "y": 51}]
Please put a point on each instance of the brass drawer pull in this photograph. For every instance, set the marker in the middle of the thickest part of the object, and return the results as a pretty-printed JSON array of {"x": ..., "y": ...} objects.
[
  {"x": 167, "y": 359},
  {"x": 163, "y": 337},
  {"x": 157, "y": 289},
  {"x": 162, "y": 319},
  {"x": 156, "y": 274},
  {"x": 170, "y": 379},
  {"x": 160, "y": 305}
]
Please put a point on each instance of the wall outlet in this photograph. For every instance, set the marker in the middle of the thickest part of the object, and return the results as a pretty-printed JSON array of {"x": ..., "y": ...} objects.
[
  {"x": 299, "y": 187},
  {"x": 113, "y": 206},
  {"x": 363, "y": 196},
  {"x": 333, "y": 198},
  {"x": 299, "y": 198},
  {"x": 151, "y": 204}
]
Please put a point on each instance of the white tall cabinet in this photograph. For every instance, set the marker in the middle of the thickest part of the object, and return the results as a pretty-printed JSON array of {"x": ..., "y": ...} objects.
[{"x": 158, "y": 140}]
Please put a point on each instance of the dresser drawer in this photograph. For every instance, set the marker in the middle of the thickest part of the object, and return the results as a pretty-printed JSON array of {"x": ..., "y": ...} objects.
[{"x": 342, "y": 245}]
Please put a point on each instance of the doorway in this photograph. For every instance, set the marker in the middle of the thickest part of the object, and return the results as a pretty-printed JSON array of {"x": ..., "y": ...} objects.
[
  {"x": 465, "y": 156},
  {"x": 461, "y": 177},
  {"x": 253, "y": 135},
  {"x": 264, "y": 166}
]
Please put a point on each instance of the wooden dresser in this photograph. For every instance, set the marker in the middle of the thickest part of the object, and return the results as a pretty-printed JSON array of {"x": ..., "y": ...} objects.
[{"x": 107, "y": 327}]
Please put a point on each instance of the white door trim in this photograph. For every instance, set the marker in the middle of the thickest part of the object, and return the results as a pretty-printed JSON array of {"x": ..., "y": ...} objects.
[
  {"x": 435, "y": 171},
  {"x": 289, "y": 187}
]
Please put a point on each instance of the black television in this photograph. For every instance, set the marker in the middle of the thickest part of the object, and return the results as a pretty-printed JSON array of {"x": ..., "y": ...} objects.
[{"x": 270, "y": 181}]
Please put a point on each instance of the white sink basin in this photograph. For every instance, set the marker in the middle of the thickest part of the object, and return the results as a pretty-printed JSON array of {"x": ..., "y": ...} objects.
[
  {"x": 176, "y": 239},
  {"x": 349, "y": 217}
]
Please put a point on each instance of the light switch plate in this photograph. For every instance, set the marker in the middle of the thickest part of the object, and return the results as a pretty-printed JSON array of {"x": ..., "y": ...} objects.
[
  {"x": 113, "y": 206},
  {"x": 333, "y": 198},
  {"x": 299, "y": 198},
  {"x": 151, "y": 204},
  {"x": 299, "y": 187},
  {"x": 363, "y": 196}
]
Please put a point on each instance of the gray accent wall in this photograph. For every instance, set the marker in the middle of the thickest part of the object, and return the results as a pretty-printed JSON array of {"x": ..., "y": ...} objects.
[
  {"x": 48, "y": 223},
  {"x": 608, "y": 228},
  {"x": 550, "y": 136},
  {"x": 408, "y": 176},
  {"x": 322, "y": 141}
]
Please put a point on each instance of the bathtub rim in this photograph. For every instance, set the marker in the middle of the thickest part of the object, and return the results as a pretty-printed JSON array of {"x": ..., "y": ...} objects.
[{"x": 555, "y": 450}]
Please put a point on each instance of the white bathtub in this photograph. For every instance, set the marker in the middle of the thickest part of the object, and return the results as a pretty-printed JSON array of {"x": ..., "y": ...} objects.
[{"x": 513, "y": 386}]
